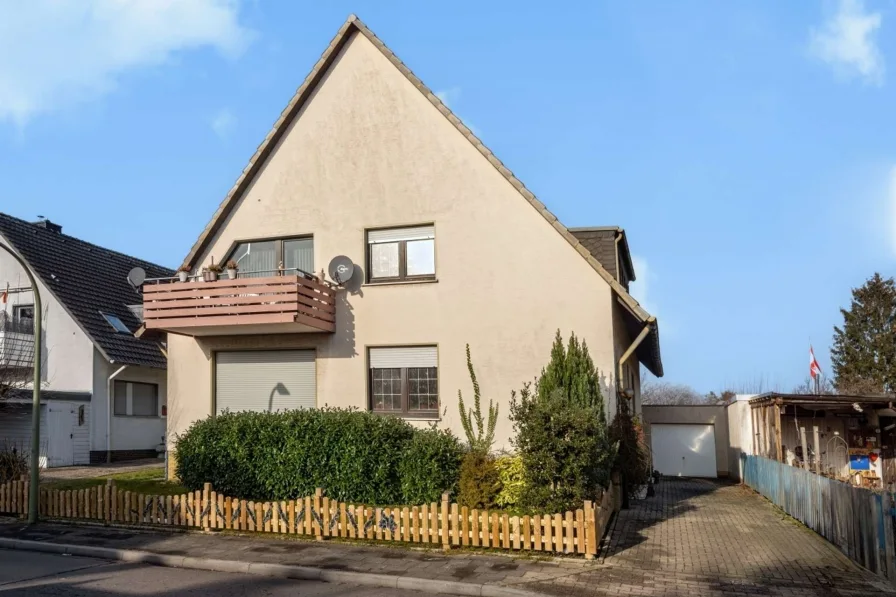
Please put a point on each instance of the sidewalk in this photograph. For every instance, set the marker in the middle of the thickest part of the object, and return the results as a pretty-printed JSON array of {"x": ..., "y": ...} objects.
[
  {"x": 425, "y": 565},
  {"x": 99, "y": 470}
]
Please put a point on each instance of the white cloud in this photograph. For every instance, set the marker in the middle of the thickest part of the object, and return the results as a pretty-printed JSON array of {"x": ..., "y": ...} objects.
[
  {"x": 223, "y": 123},
  {"x": 54, "y": 54},
  {"x": 846, "y": 41},
  {"x": 450, "y": 97},
  {"x": 640, "y": 290},
  {"x": 639, "y": 287}
]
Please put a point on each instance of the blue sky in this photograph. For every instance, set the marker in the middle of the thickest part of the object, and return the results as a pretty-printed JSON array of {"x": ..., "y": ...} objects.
[{"x": 748, "y": 149}]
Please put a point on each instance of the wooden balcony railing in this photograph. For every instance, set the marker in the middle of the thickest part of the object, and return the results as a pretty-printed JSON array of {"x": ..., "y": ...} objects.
[{"x": 278, "y": 304}]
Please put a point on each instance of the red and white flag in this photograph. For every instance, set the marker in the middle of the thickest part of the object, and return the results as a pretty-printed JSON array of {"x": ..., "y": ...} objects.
[{"x": 814, "y": 367}]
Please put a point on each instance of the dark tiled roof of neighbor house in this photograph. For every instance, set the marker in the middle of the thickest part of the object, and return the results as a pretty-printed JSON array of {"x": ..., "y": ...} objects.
[{"x": 88, "y": 281}]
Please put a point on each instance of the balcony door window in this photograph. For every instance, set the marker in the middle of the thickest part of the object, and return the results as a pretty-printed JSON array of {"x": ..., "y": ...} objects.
[
  {"x": 405, "y": 381},
  {"x": 261, "y": 259},
  {"x": 401, "y": 254},
  {"x": 298, "y": 253}
]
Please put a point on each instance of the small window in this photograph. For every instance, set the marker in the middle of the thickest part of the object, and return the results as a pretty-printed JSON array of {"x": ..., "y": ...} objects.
[
  {"x": 23, "y": 314},
  {"x": 135, "y": 399},
  {"x": 116, "y": 323},
  {"x": 404, "y": 381},
  {"x": 398, "y": 254}
]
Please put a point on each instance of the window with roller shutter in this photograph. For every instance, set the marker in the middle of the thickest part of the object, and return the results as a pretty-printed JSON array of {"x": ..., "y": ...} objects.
[
  {"x": 404, "y": 380},
  {"x": 265, "y": 380}
]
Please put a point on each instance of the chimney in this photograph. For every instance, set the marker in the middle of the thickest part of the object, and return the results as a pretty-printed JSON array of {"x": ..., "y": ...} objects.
[{"x": 48, "y": 225}]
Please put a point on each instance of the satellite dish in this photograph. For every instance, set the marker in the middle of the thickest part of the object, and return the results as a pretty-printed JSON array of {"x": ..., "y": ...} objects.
[
  {"x": 136, "y": 277},
  {"x": 341, "y": 269}
]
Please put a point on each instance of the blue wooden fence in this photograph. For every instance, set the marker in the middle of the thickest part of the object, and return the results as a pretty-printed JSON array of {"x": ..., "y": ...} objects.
[{"x": 858, "y": 521}]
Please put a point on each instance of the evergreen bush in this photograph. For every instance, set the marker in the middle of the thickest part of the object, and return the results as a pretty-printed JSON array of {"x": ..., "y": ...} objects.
[
  {"x": 561, "y": 432},
  {"x": 513, "y": 481},
  {"x": 479, "y": 480},
  {"x": 352, "y": 455},
  {"x": 430, "y": 466}
]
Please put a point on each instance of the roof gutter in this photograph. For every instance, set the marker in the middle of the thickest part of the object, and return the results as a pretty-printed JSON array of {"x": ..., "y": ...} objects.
[
  {"x": 620, "y": 386},
  {"x": 111, "y": 411},
  {"x": 616, "y": 252}
]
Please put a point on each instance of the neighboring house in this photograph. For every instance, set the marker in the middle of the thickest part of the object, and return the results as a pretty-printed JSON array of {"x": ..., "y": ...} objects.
[
  {"x": 90, "y": 312},
  {"x": 449, "y": 248}
]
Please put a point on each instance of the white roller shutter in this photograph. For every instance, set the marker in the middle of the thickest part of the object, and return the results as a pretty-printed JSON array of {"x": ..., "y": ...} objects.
[
  {"x": 265, "y": 380},
  {"x": 397, "y": 234},
  {"x": 406, "y": 356}
]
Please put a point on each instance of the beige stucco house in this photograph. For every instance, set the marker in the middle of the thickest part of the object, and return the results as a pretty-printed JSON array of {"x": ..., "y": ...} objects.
[{"x": 448, "y": 246}]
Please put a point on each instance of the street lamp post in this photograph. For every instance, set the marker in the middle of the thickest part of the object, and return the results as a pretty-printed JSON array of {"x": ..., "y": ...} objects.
[{"x": 33, "y": 487}]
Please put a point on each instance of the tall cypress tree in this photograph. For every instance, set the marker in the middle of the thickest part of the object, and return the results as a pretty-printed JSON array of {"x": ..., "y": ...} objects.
[
  {"x": 864, "y": 351},
  {"x": 572, "y": 372}
]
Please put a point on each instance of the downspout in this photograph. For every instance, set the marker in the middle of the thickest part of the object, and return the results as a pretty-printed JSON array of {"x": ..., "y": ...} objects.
[
  {"x": 616, "y": 247},
  {"x": 628, "y": 353},
  {"x": 111, "y": 411},
  {"x": 619, "y": 392}
]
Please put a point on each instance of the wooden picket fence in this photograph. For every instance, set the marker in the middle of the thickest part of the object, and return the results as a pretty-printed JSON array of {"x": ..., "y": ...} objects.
[{"x": 446, "y": 524}]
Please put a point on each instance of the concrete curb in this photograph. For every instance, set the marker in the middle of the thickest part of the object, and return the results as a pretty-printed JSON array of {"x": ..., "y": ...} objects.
[{"x": 431, "y": 586}]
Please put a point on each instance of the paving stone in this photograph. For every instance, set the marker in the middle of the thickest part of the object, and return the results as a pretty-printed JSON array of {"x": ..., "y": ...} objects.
[{"x": 699, "y": 538}]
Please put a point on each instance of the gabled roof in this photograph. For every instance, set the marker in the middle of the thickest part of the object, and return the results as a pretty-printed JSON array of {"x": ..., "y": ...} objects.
[
  {"x": 601, "y": 242},
  {"x": 353, "y": 25},
  {"x": 88, "y": 280}
]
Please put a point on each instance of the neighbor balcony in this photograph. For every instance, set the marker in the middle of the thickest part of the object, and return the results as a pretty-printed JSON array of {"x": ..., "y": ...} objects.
[
  {"x": 285, "y": 304},
  {"x": 16, "y": 342}
]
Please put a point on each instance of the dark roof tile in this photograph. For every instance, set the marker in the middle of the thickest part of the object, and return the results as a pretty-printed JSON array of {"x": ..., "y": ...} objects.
[{"x": 88, "y": 280}]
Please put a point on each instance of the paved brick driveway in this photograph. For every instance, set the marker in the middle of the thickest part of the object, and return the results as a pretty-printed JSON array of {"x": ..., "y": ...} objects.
[{"x": 698, "y": 538}]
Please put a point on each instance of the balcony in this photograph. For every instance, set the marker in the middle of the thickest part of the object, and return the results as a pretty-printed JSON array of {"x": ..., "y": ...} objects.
[
  {"x": 285, "y": 304},
  {"x": 16, "y": 343}
]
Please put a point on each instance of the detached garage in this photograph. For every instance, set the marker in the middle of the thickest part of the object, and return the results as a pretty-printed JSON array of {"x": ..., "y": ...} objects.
[
  {"x": 688, "y": 440},
  {"x": 684, "y": 450},
  {"x": 265, "y": 380}
]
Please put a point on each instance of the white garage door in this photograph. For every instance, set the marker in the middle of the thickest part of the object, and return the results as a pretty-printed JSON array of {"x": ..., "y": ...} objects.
[
  {"x": 684, "y": 450},
  {"x": 265, "y": 380}
]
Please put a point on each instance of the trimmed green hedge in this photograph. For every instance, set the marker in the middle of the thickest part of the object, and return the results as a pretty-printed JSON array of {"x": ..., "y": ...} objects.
[
  {"x": 352, "y": 455},
  {"x": 430, "y": 466}
]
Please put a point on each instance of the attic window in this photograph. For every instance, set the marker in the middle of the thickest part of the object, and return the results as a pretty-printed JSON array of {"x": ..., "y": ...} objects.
[{"x": 116, "y": 323}]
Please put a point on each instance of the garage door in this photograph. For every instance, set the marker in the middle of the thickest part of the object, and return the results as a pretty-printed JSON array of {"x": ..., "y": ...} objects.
[
  {"x": 684, "y": 450},
  {"x": 265, "y": 380}
]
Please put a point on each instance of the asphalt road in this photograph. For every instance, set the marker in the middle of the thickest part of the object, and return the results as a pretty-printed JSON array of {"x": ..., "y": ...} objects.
[{"x": 37, "y": 574}]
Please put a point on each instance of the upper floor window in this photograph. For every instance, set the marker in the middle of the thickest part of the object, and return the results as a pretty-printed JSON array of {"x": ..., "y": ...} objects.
[
  {"x": 20, "y": 321},
  {"x": 23, "y": 314},
  {"x": 262, "y": 258},
  {"x": 396, "y": 254}
]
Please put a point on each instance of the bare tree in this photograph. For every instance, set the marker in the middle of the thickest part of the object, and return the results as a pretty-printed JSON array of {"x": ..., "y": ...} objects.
[
  {"x": 759, "y": 384},
  {"x": 723, "y": 397},
  {"x": 825, "y": 386},
  {"x": 664, "y": 393}
]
